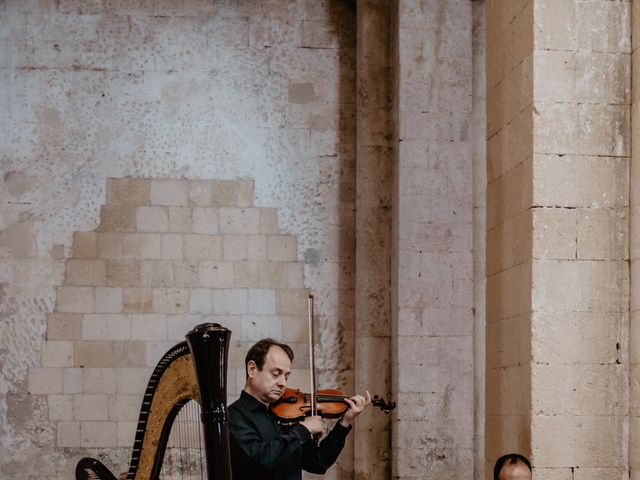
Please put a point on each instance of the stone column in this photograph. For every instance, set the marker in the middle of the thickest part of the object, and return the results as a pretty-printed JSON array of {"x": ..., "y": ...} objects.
[
  {"x": 433, "y": 233},
  {"x": 634, "y": 254},
  {"x": 558, "y": 83},
  {"x": 374, "y": 173}
]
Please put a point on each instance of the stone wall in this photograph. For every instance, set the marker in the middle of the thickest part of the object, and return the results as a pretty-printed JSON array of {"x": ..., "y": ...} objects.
[
  {"x": 558, "y": 95},
  {"x": 259, "y": 91}
]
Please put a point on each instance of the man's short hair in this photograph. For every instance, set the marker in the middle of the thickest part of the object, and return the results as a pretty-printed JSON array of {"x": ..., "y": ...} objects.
[
  {"x": 258, "y": 353},
  {"x": 508, "y": 459}
]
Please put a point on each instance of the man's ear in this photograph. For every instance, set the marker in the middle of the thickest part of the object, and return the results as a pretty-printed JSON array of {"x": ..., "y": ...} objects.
[{"x": 252, "y": 368}]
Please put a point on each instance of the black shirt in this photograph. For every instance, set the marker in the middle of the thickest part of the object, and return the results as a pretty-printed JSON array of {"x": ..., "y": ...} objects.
[{"x": 262, "y": 450}]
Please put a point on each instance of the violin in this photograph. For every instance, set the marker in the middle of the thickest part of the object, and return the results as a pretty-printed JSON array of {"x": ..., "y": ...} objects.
[{"x": 294, "y": 405}]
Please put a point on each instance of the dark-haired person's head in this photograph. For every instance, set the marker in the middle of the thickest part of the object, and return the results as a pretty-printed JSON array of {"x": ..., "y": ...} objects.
[
  {"x": 512, "y": 466},
  {"x": 258, "y": 352},
  {"x": 267, "y": 368}
]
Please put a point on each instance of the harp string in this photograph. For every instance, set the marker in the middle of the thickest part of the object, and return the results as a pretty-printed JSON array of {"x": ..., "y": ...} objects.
[{"x": 185, "y": 447}]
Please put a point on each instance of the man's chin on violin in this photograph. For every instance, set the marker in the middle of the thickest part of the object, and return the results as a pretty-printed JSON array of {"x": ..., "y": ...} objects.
[{"x": 260, "y": 447}]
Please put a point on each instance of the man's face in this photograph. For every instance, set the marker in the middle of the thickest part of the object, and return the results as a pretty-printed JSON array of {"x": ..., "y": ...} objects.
[
  {"x": 268, "y": 384},
  {"x": 515, "y": 471}
]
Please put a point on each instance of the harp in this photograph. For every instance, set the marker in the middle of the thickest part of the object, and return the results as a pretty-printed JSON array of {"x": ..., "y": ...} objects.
[{"x": 195, "y": 369}]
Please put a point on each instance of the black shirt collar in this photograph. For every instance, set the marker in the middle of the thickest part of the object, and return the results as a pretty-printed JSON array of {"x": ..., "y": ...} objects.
[{"x": 250, "y": 403}]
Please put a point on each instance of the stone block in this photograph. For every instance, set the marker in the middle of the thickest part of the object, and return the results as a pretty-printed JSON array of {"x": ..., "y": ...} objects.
[
  {"x": 603, "y": 234},
  {"x": 262, "y": 301},
  {"x": 239, "y": 221},
  {"x": 295, "y": 328},
  {"x": 128, "y": 354},
  {"x": 254, "y": 327},
  {"x": 57, "y": 353},
  {"x": 216, "y": 274},
  {"x": 180, "y": 219},
  {"x": 185, "y": 275},
  {"x": 245, "y": 274},
  {"x": 170, "y": 300},
  {"x": 603, "y": 78},
  {"x": 128, "y": 191},
  {"x": 554, "y": 234},
  {"x": 256, "y": 247},
  {"x": 60, "y": 407},
  {"x": 555, "y": 25},
  {"x": 271, "y": 33},
  {"x": 124, "y": 408},
  {"x": 509, "y": 292},
  {"x": 91, "y": 407},
  {"x": 137, "y": 300},
  {"x": 74, "y": 300},
  {"x": 108, "y": 300},
  {"x": 157, "y": 273},
  {"x": 272, "y": 275},
  {"x": 202, "y": 247},
  {"x": 604, "y": 26},
  {"x": 233, "y": 193},
  {"x": 141, "y": 246},
  {"x": 235, "y": 247},
  {"x": 68, "y": 434},
  {"x": 123, "y": 273},
  {"x": 588, "y": 441},
  {"x": 269, "y": 221},
  {"x": 170, "y": 193},
  {"x": 155, "y": 351},
  {"x": 172, "y": 247},
  {"x": 117, "y": 218},
  {"x": 580, "y": 286},
  {"x": 555, "y": 128},
  {"x": 72, "y": 380},
  {"x": 230, "y": 301},
  {"x": 292, "y": 302},
  {"x": 85, "y": 245},
  {"x": 45, "y": 381},
  {"x": 602, "y": 181},
  {"x": 555, "y": 75},
  {"x": 295, "y": 275},
  {"x": 604, "y": 130},
  {"x": 110, "y": 245},
  {"x": 282, "y": 248},
  {"x": 200, "y": 301},
  {"x": 149, "y": 327},
  {"x": 201, "y": 193},
  {"x": 126, "y": 433},
  {"x": 132, "y": 381},
  {"x": 578, "y": 337},
  {"x": 106, "y": 327},
  {"x": 92, "y": 354},
  {"x": 85, "y": 272},
  {"x": 205, "y": 220},
  {"x": 98, "y": 434},
  {"x": 152, "y": 219},
  {"x": 99, "y": 380},
  {"x": 179, "y": 325},
  {"x": 510, "y": 343},
  {"x": 64, "y": 326}
]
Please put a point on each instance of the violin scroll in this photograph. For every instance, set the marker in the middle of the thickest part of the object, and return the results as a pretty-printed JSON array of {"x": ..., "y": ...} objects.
[{"x": 382, "y": 404}]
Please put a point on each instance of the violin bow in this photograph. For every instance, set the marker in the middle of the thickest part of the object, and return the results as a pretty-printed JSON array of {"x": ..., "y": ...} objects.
[{"x": 312, "y": 360}]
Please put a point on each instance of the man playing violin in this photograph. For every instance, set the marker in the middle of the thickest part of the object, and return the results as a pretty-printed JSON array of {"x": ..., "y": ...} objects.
[{"x": 263, "y": 450}]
